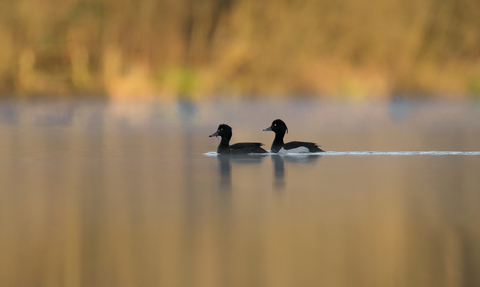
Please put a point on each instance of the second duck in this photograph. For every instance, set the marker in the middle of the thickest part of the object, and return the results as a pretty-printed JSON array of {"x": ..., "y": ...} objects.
[{"x": 280, "y": 128}]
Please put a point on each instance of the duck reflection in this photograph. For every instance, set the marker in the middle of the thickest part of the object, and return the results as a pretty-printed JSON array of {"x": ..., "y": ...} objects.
[
  {"x": 279, "y": 166},
  {"x": 225, "y": 166}
]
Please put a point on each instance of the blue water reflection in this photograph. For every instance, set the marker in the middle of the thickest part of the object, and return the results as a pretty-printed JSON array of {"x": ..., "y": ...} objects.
[{"x": 399, "y": 108}]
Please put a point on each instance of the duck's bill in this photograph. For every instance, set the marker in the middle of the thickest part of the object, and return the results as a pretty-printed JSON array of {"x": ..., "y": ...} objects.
[
  {"x": 215, "y": 134},
  {"x": 267, "y": 129}
]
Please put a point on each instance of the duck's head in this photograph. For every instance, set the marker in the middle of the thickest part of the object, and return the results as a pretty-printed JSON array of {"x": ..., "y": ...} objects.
[
  {"x": 224, "y": 131},
  {"x": 278, "y": 126}
]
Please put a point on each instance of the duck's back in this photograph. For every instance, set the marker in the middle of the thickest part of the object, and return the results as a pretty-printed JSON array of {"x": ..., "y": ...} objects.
[{"x": 246, "y": 147}]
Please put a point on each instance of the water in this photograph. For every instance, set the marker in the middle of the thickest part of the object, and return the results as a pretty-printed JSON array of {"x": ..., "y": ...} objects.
[{"x": 133, "y": 194}]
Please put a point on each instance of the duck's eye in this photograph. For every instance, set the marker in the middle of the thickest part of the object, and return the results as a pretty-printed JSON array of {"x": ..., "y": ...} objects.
[
  {"x": 221, "y": 129},
  {"x": 274, "y": 125}
]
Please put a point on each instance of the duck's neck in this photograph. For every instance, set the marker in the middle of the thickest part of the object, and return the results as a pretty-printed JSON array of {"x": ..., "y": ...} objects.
[
  {"x": 279, "y": 137},
  {"x": 278, "y": 141},
  {"x": 224, "y": 144}
]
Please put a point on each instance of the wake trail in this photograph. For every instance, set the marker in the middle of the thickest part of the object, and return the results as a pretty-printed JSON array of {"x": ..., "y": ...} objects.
[{"x": 374, "y": 153}]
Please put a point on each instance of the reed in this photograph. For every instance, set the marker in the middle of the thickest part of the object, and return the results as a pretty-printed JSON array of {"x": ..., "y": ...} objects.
[{"x": 166, "y": 48}]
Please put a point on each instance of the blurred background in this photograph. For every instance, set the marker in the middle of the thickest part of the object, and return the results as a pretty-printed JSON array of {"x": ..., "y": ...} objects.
[
  {"x": 250, "y": 48},
  {"x": 106, "y": 177}
]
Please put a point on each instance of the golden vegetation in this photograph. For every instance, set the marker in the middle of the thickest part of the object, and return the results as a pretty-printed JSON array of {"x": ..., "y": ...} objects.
[{"x": 153, "y": 48}]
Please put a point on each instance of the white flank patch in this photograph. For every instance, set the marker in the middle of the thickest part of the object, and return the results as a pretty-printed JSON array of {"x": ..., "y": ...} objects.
[{"x": 300, "y": 149}]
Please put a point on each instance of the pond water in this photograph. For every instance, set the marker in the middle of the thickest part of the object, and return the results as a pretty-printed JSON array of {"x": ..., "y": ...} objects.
[{"x": 133, "y": 194}]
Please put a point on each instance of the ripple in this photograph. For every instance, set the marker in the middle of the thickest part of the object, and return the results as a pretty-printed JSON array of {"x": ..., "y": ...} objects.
[
  {"x": 373, "y": 153},
  {"x": 398, "y": 153}
]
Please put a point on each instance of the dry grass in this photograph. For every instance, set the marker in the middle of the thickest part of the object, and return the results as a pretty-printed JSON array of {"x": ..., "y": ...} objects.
[{"x": 353, "y": 48}]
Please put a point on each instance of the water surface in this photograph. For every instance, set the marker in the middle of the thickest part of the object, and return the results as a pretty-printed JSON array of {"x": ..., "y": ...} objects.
[{"x": 131, "y": 194}]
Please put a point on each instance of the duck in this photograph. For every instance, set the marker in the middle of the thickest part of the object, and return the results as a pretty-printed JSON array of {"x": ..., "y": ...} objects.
[
  {"x": 280, "y": 128},
  {"x": 225, "y": 132}
]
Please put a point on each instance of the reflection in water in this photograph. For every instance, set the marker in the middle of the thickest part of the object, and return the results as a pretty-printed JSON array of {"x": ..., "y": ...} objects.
[
  {"x": 186, "y": 111},
  {"x": 279, "y": 170},
  {"x": 399, "y": 108},
  {"x": 279, "y": 166},
  {"x": 225, "y": 167}
]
